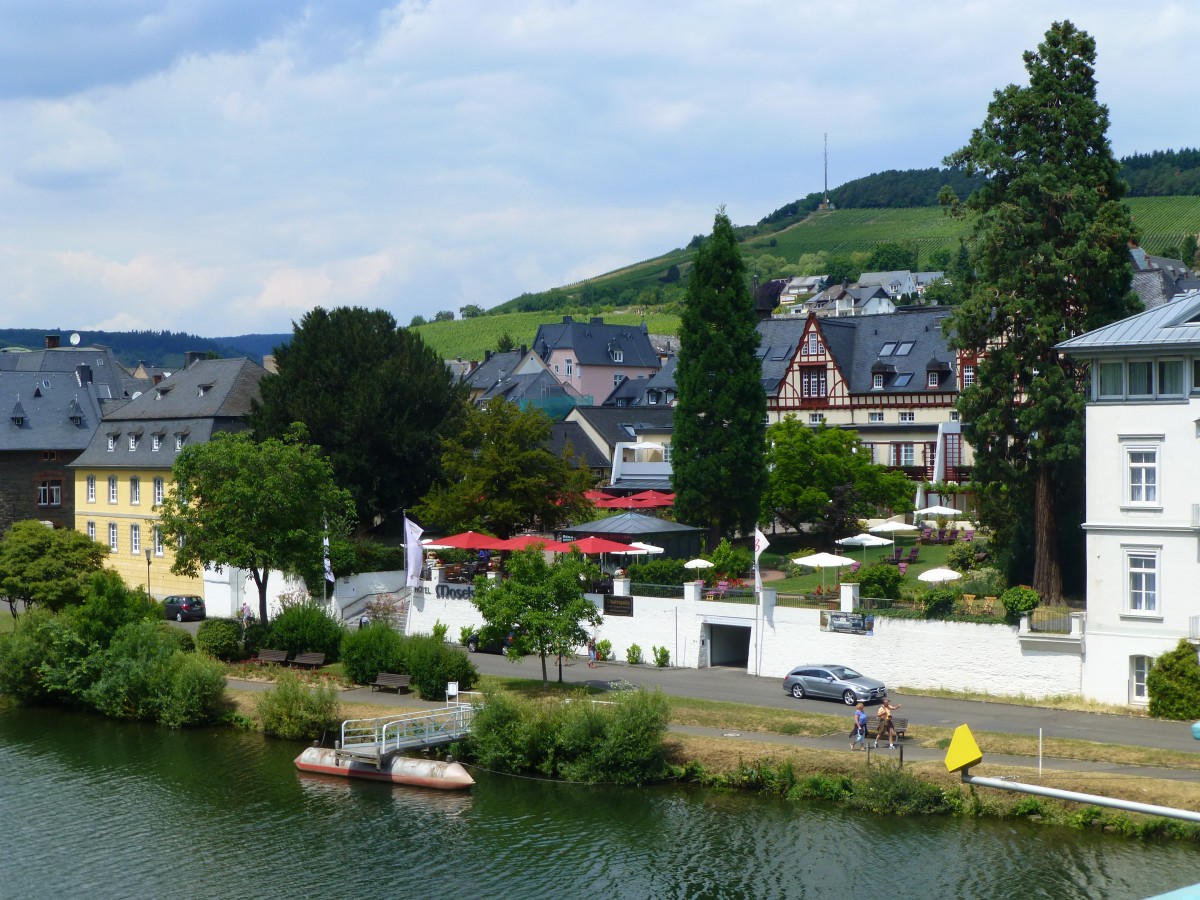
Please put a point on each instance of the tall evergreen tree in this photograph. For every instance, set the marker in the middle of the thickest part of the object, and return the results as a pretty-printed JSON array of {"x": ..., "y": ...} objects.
[
  {"x": 1052, "y": 261},
  {"x": 718, "y": 447}
]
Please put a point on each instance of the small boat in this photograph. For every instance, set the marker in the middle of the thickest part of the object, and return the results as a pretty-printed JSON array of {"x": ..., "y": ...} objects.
[{"x": 396, "y": 769}]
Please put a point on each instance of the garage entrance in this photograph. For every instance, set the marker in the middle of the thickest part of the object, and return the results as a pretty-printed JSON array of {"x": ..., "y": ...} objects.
[{"x": 729, "y": 645}]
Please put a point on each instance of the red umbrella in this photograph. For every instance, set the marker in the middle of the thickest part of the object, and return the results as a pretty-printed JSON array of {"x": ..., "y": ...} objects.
[
  {"x": 654, "y": 498},
  {"x": 471, "y": 540},
  {"x": 525, "y": 541},
  {"x": 591, "y": 545},
  {"x": 597, "y": 495}
]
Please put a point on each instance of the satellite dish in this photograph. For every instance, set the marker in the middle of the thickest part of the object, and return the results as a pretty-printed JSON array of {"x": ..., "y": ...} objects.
[{"x": 74, "y": 339}]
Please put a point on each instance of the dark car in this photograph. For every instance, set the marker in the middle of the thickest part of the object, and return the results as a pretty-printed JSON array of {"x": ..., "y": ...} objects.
[
  {"x": 182, "y": 607},
  {"x": 476, "y": 644},
  {"x": 834, "y": 682}
]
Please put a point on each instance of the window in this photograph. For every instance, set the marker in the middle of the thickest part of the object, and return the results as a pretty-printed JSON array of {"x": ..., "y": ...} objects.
[
  {"x": 1142, "y": 566},
  {"x": 570, "y": 367},
  {"x": 666, "y": 453},
  {"x": 876, "y": 381},
  {"x": 158, "y": 541},
  {"x": 651, "y": 397},
  {"x": 1143, "y": 475},
  {"x": 907, "y": 456},
  {"x": 904, "y": 349},
  {"x": 179, "y": 441},
  {"x": 1170, "y": 378},
  {"x": 50, "y": 492},
  {"x": 135, "y": 539},
  {"x": 931, "y": 380},
  {"x": 903, "y": 379},
  {"x": 812, "y": 381},
  {"x": 811, "y": 345},
  {"x": 954, "y": 415},
  {"x": 49, "y": 455},
  {"x": 133, "y": 442},
  {"x": 158, "y": 491},
  {"x": 91, "y": 489},
  {"x": 968, "y": 376},
  {"x": 907, "y": 415},
  {"x": 112, "y": 443},
  {"x": 112, "y": 488},
  {"x": 91, "y": 530},
  {"x": 556, "y": 368},
  {"x": 618, "y": 377},
  {"x": 112, "y": 537},
  {"x": 1141, "y": 379},
  {"x": 875, "y": 418},
  {"x": 135, "y": 489},
  {"x": 618, "y": 356},
  {"x": 1139, "y": 667},
  {"x": 815, "y": 418},
  {"x": 888, "y": 349},
  {"x": 156, "y": 443}
]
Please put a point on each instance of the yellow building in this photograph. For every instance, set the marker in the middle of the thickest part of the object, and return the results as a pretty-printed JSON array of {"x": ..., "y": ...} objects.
[{"x": 121, "y": 478}]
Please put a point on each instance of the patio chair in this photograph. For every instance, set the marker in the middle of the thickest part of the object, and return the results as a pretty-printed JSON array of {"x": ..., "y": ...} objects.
[
  {"x": 719, "y": 591},
  {"x": 926, "y": 535},
  {"x": 941, "y": 536},
  {"x": 989, "y": 605},
  {"x": 913, "y": 554},
  {"x": 968, "y": 535},
  {"x": 969, "y": 602},
  {"x": 952, "y": 537},
  {"x": 903, "y": 567},
  {"x": 855, "y": 566},
  {"x": 897, "y": 554}
]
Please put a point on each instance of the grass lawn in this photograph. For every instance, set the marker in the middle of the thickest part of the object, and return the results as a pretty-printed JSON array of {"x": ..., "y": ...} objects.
[{"x": 931, "y": 556}]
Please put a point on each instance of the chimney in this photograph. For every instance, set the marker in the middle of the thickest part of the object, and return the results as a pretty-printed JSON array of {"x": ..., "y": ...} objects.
[
  {"x": 567, "y": 320},
  {"x": 83, "y": 374},
  {"x": 156, "y": 377},
  {"x": 53, "y": 341},
  {"x": 597, "y": 320},
  {"x": 191, "y": 357},
  {"x": 487, "y": 354},
  {"x": 524, "y": 350}
]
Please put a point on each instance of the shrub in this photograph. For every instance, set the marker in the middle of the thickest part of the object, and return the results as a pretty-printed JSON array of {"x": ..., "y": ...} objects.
[
  {"x": 895, "y": 791},
  {"x": 633, "y": 655},
  {"x": 604, "y": 650},
  {"x": 628, "y": 744},
  {"x": 220, "y": 638},
  {"x": 194, "y": 691},
  {"x": 1018, "y": 600},
  {"x": 1174, "y": 684},
  {"x": 961, "y": 557},
  {"x": 432, "y": 663},
  {"x": 662, "y": 657},
  {"x": 183, "y": 640},
  {"x": 464, "y": 634},
  {"x": 939, "y": 602},
  {"x": 385, "y": 609},
  {"x": 134, "y": 671},
  {"x": 660, "y": 571},
  {"x": 368, "y": 651},
  {"x": 257, "y": 636},
  {"x": 439, "y": 630},
  {"x": 729, "y": 561},
  {"x": 108, "y": 605},
  {"x": 879, "y": 581},
  {"x": 43, "y": 659},
  {"x": 292, "y": 710},
  {"x": 306, "y": 628},
  {"x": 985, "y": 582}
]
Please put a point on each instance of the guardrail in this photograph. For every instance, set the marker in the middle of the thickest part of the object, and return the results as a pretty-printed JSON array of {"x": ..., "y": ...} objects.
[
  {"x": 668, "y": 591},
  {"x": 807, "y": 601}
]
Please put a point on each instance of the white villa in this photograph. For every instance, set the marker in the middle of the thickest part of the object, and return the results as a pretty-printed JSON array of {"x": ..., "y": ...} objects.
[{"x": 1143, "y": 494}]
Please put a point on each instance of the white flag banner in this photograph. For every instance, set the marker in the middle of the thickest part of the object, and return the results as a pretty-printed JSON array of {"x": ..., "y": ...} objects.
[
  {"x": 328, "y": 567},
  {"x": 412, "y": 552},
  {"x": 760, "y": 544}
]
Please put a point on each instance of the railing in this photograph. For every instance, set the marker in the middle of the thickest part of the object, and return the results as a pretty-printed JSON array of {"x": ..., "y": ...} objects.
[
  {"x": 1050, "y": 619},
  {"x": 669, "y": 591},
  {"x": 808, "y": 601},
  {"x": 384, "y": 735},
  {"x": 730, "y": 595}
]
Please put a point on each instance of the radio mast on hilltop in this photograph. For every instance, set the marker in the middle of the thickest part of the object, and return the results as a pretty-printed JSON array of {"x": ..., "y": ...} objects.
[{"x": 824, "y": 204}]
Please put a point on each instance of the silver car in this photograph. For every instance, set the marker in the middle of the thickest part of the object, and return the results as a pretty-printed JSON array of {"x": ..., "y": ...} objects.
[{"x": 835, "y": 682}]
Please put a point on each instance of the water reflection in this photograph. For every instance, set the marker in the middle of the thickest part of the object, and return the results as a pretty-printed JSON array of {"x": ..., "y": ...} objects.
[{"x": 123, "y": 810}]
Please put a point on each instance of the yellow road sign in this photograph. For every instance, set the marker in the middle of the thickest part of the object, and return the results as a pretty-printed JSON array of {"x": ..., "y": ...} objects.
[{"x": 963, "y": 752}]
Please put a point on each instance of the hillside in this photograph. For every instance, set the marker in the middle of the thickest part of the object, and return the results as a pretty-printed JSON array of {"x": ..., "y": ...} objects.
[{"x": 156, "y": 348}]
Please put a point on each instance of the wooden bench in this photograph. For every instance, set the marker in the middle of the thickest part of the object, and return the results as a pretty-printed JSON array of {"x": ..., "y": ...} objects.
[
  {"x": 900, "y": 724},
  {"x": 309, "y": 660},
  {"x": 271, "y": 656},
  {"x": 387, "y": 680}
]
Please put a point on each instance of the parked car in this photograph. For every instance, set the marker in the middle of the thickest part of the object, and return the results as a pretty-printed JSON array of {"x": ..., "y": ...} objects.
[
  {"x": 475, "y": 644},
  {"x": 834, "y": 682},
  {"x": 182, "y": 607}
]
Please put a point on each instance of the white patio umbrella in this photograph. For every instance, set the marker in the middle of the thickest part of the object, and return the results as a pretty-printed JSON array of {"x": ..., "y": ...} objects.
[
  {"x": 938, "y": 576},
  {"x": 893, "y": 527},
  {"x": 646, "y": 548},
  {"x": 863, "y": 540},
  {"x": 697, "y": 564},
  {"x": 823, "y": 561},
  {"x": 938, "y": 511}
]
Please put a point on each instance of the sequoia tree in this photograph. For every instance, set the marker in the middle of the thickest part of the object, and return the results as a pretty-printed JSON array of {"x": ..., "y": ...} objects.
[
  {"x": 718, "y": 447},
  {"x": 1051, "y": 253}
]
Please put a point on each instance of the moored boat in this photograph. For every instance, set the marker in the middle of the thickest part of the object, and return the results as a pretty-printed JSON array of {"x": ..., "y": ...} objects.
[{"x": 430, "y": 773}]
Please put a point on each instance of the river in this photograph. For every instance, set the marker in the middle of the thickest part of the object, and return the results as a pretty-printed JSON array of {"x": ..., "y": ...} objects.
[{"x": 98, "y": 808}]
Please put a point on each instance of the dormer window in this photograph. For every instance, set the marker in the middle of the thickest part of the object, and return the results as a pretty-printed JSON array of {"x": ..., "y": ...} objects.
[
  {"x": 18, "y": 420},
  {"x": 932, "y": 380},
  {"x": 618, "y": 356},
  {"x": 112, "y": 443},
  {"x": 162, "y": 391},
  {"x": 156, "y": 442},
  {"x": 876, "y": 381},
  {"x": 179, "y": 438},
  {"x": 133, "y": 442},
  {"x": 203, "y": 389}
]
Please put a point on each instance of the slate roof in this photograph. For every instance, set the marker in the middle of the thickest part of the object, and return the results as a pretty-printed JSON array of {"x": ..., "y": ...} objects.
[
  {"x": 538, "y": 386},
  {"x": 46, "y": 402},
  {"x": 562, "y": 432},
  {"x": 631, "y": 523},
  {"x": 615, "y": 424},
  {"x": 493, "y": 369},
  {"x": 113, "y": 384},
  {"x": 210, "y": 396},
  {"x": 1171, "y": 327},
  {"x": 592, "y": 342},
  {"x": 912, "y": 336}
]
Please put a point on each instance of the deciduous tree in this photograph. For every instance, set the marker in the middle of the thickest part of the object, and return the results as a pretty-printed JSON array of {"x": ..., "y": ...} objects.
[
  {"x": 500, "y": 476},
  {"x": 374, "y": 397},
  {"x": 46, "y": 566},
  {"x": 253, "y": 505},
  {"x": 1051, "y": 254},
  {"x": 717, "y": 450}
]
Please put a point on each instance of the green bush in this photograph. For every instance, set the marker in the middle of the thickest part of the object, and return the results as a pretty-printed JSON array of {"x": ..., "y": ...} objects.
[
  {"x": 440, "y": 629},
  {"x": 729, "y": 561},
  {"x": 43, "y": 659},
  {"x": 464, "y": 634},
  {"x": 961, "y": 557},
  {"x": 628, "y": 744},
  {"x": 896, "y": 791},
  {"x": 135, "y": 671},
  {"x": 1174, "y": 684},
  {"x": 878, "y": 581},
  {"x": 432, "y": 663},
  {"x": 368, "y": 651},
  {"x": 220, "y": 638},
  {"x": 306, "y": 628},
  {"x": 662, "y": 657},
  {"x": 604, "y": 650},
  {"x": 108, "y": 605},
  {"x": 292, "y": 710},
  {"x": 193, "y": 691},
  {"x": 939, "y": 602},
  {"x": 1018, "y": 600},
  {"x": 258, "y": 634},
  {"x": 660, "y": 571},
  {"x": 633, "y": 655},
  {"x": 184, "y": 642}
]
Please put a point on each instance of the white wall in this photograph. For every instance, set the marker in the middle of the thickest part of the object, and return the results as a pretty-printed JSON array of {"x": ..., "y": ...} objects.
[
  {"x": 901, "y": 652},
  {"x": 226, "y": 589}
]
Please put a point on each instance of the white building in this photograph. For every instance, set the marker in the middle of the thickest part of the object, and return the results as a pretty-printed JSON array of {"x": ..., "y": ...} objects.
[{"x": 1143, "y": 494}]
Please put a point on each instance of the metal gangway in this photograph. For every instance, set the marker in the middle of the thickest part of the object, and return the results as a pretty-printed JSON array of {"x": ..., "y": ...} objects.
[{"x": 370, "y": 740}]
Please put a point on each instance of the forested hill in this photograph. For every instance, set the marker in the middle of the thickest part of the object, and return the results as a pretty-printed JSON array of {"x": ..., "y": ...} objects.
[
  {"x": 155, "y": 348},
  {"x": 1163, "y": 173}
]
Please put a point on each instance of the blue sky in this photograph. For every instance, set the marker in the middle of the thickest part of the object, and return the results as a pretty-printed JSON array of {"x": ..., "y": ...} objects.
[{"x": 221, "y": 167}]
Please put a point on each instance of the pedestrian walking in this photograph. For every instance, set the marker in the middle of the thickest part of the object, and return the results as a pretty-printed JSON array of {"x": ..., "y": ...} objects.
[
  {"x": 858, "y": 734},
  {"x": 591, "y": 645},
  {"x": 886, "y": 726}
]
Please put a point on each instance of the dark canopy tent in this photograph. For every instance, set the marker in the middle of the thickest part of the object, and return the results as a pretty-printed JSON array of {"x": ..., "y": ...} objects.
[{"x": 678, "y": 541}]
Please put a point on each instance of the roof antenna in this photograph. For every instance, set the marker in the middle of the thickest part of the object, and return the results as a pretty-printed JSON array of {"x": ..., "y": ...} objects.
[{"x": 825, "y": 202}]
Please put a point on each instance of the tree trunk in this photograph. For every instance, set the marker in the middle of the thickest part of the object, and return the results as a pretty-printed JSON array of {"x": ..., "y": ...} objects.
[
  {"x": 260, "y": 581},
  {"x": 1047, "y": 570},
  {"x": 545, "y": 674}
]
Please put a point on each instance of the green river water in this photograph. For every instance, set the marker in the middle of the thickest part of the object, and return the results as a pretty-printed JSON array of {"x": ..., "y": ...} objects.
[{"x": 95, "y": 808}]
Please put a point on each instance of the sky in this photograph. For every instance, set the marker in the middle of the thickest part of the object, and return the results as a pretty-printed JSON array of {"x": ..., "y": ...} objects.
[{"x": 222, "y": 167}]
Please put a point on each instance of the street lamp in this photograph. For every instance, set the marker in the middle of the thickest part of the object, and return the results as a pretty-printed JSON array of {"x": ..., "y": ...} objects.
[{"x": 147, "y": 571}]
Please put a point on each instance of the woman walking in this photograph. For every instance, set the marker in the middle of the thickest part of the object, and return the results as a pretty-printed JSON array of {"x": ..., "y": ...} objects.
[
  {"x": 858, "y": 734},
  {"x": 885, "y": 723}
]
